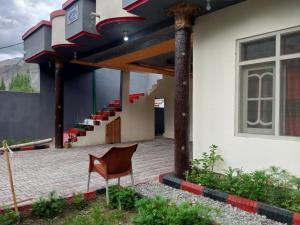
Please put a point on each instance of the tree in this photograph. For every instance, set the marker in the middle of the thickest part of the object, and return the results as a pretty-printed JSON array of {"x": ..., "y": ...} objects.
[
  {"x": 21, "y": 83},
  {"x": 2, "y": 85}
]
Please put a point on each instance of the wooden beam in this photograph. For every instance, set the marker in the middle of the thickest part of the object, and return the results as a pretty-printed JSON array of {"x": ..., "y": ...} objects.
[
  {"x": 146, "y": 53},
  {"x": 130, "y": 67},
  {"x": 126, "y": 62}
]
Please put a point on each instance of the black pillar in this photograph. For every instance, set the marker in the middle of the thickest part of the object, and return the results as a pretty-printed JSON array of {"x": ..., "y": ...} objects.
[
  {"x": 59, "y": 104},
  {"x": 183, "y": 13}
]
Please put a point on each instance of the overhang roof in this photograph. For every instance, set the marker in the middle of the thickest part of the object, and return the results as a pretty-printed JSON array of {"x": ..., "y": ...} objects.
[{"x": 153, "y": 25}]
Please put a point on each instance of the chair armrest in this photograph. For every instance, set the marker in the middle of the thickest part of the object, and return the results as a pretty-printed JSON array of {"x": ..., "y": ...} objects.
[{"x": 92, "y": 162}]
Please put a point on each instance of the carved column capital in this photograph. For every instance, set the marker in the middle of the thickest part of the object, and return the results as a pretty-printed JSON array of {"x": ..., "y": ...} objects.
[
  {"x": 183, "y": 13},
  {"x": 59, "y": 63}
]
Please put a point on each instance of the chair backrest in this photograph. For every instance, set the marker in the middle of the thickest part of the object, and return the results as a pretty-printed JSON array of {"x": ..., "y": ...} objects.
[{"x": 118, "y": 159}]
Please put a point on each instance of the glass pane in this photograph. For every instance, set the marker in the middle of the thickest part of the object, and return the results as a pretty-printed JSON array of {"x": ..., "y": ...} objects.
[
  {"x": 253, "y": 87},
  {"x": 267, "y": 86},
  {"x": 290, "y": 43},
  {"x": 258, "y": 49},
  {"x": 266, "y": 109},
  {"x": 252, "y": 112},
  {"x": 290, "y": 100}
]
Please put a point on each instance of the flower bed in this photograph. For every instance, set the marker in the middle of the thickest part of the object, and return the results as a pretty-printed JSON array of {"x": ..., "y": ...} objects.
[
  {"x": 125, "y": 207},
  {"x": 273, "y": 192}
]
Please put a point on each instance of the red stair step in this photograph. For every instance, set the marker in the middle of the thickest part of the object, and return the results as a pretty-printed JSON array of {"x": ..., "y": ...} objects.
[
  {"x": 114, "y": 105},
  {"x": 103, "y": 114},
  {"x": 117, "y": 101},
  {"x": 99, "y": 117},
  {"x": 77, "y": 132},
  {"x": 136, "y": 95}
]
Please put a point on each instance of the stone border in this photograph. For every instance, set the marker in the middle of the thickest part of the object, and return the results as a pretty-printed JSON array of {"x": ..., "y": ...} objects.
[{"x": 270, "y": 211}]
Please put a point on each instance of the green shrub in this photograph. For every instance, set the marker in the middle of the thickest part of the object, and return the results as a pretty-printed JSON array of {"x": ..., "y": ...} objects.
[
  {"x": 202, "y": 171},
  {"x": 192, "y": 215},
  {"x": 159, "y": 211},
  {"x": 121, "y": 198},
  {"x": 9, "y": 216},
  {"x": 49, "y": 207},
  {"x": 79, "y": 201},
  {"x": 273, "y": 186}
]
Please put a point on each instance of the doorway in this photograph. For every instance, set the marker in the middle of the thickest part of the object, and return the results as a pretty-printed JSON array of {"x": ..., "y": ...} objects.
[{"x": 159, "y": 113}]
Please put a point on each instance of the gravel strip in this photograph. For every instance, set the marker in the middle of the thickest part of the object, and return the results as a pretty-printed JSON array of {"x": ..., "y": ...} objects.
[{"x": 229, "y": 215}]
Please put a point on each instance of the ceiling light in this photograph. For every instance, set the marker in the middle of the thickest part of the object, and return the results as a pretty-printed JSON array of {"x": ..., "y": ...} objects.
[
  {"x": 208, "y": 5},
  {"x": 126, "y": 38}
]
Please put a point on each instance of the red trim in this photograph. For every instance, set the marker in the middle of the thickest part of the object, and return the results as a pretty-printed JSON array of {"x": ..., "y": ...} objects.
[
  {"x": 136, "y": 95},
  {"x": 45, "y": 52},
  {"x": 35, "y": 28},
  {"x": 297, "y": 219},
  {"x": 243, "y": 203},
  {"x": 135, "y": 4},
  {"x": 192, "y": 188},
  {"x": 57, "y": 13},
  {"x": 90, "y": 195},
  {"x": 117, "y": 19},
  {"x": 68, "y": 3},
  {"x": 64, "y": 45},
  {"x": 83, "y": 33}
]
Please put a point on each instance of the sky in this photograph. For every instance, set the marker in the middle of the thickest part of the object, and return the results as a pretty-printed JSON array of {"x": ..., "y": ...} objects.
[{"x": 16, "y": 17}]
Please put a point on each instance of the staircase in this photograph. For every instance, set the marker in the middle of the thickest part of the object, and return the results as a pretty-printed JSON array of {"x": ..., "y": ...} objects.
[{"x": 92, "y": 131}]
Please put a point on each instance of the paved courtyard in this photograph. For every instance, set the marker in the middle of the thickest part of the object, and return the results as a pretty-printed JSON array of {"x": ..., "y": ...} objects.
[{"x": 36, "y": 173}]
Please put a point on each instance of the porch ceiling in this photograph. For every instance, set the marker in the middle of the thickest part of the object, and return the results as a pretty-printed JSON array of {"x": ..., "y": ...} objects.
[
  {"x": 158, "y": 27},
  {"x": 142, "y": 60}
]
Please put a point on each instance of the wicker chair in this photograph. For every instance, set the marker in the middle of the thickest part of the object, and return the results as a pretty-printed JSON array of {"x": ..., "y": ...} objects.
[{"x": 113, "y": 164}]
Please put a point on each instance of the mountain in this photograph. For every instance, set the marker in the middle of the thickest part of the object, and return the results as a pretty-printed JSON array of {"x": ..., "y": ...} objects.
[{"x": 11, "y": 67}]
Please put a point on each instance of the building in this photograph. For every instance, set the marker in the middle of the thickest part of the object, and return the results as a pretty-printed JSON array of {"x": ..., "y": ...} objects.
[{"x": 239, "y": 91}]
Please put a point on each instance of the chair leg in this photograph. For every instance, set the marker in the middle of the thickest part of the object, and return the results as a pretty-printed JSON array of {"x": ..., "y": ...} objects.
[
  {"x": 119, "y": 181},
  {"x": 132, "y": 181},
  {"x": 88, "y": 184},
  {"x": 107, "y": 196}
]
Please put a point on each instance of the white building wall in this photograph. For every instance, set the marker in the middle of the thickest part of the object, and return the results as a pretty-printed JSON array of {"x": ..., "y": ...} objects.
[{"x": 214, "y": 75}]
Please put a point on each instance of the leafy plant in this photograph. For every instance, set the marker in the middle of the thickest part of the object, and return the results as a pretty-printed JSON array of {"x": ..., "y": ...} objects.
[
  {"x": 154, "y": 211},
  {"x": 202, "y": 171},
  {"x": 49, "y": 207},
  {"x": 273, "y": 186},
  {"x": 188, "y": 214},
  {"x": 78, "y": 201},
  {"x": 121, "y": 198},
  {"x": 160, "y": 211},
  {"x": 9, "y": 216}
]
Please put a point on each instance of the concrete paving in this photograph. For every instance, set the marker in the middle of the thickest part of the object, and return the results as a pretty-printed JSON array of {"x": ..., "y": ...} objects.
[{"x": 36, "y": 173}]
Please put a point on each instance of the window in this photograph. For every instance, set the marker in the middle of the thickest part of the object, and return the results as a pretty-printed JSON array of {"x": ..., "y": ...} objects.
[{"x": 269, "y": 84}]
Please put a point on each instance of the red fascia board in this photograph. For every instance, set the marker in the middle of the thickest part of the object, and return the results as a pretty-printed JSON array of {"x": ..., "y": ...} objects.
[
  {"x": 45, "y": 52},
  {"x": 68, "y": 3},
  {"x": 64, "y": 45},
  {"x": 83, "y": 33},
  {"x": 35, "y": 28},
  {"x": 57, "y": 13},
  {"x": 117, "y": 19},
  {"x": 135, "y": 4}
]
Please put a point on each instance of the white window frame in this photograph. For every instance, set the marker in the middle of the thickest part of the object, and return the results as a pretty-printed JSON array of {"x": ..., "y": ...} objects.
[{"x": 277, "y": 59}]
